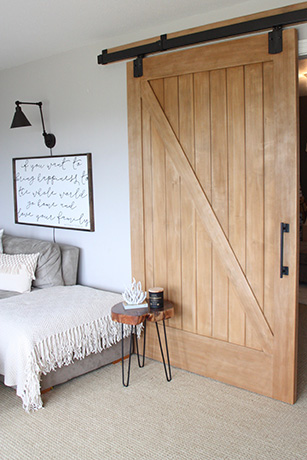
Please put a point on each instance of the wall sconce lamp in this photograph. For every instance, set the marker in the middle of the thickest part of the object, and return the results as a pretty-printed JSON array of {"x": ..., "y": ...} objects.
[{"x": 20, "y": 120}]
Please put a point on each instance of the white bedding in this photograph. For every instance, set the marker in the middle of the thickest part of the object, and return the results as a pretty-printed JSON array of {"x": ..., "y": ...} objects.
[{"x": 49, "y": 328}]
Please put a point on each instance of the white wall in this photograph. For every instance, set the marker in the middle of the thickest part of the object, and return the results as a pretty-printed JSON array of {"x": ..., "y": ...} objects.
[{"x": 85, "y": 107}]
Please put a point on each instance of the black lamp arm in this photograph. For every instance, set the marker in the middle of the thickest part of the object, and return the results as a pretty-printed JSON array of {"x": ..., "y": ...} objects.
[{"x": 42, "y": 118}]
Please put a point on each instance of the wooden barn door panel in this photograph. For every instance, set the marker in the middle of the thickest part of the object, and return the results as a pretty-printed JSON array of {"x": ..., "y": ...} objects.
[{"x": 208, "y": 167}]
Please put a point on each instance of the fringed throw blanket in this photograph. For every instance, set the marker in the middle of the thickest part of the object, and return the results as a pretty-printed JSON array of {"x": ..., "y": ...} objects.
[{"x": 49, "y": 328}]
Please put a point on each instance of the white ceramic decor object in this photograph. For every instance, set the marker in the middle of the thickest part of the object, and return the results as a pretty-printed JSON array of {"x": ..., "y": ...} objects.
[{"x": 134, "y": 295}]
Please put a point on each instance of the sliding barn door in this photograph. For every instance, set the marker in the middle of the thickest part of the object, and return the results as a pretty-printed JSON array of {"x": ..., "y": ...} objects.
[{"x": 213, "y": 174}]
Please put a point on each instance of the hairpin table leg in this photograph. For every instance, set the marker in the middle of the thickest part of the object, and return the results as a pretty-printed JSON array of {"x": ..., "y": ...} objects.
[
  {"x": 130, "y": 352},
  {"x": 134, "y": 317},
  {"x": 167, "y": 374},
  {"x": 137, "y": 346}
]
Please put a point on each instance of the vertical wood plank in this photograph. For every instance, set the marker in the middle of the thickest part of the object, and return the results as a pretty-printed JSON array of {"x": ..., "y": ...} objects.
[
  {"x": 173, "y": 205},
  {"x": 148, "y": 198},
  {"x": 236, "y": 155},
  {"x": 254, "y": 188},
  {"x": 203, "y": 170},
  {"x": 219, "y": 197},
  {"x": 159, "y": 198},
  {"x": 271, "y": 223},
  {"x": 186, "y": 130},
  {"x": 286, "y": 165},
  {"x": 136, "y": 176}
]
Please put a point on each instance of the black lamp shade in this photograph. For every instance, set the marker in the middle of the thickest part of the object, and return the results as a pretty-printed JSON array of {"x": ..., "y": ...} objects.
[{"x": 19, "y": 119}]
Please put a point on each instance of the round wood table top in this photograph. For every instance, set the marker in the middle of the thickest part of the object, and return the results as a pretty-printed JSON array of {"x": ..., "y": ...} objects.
[{"x": 139, "y": 315}]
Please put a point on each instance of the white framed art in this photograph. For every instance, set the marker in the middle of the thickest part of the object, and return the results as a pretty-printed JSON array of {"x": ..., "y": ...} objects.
[{"x": 54, "y": 191}]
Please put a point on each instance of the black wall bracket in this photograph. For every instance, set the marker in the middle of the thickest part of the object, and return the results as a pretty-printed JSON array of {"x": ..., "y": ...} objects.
[
  {"x": 138, "y": 62},
  {"x": 138, "y": 67},
  {"x": 275, "y": 40},
  {"x": 274, "y": 23}
]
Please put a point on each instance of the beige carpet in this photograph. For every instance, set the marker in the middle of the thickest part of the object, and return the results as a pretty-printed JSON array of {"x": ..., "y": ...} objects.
[{"x": 192, "y": 417}]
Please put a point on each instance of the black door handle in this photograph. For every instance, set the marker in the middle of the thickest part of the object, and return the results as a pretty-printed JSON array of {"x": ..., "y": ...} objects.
[{"x": 284, "y": 228}]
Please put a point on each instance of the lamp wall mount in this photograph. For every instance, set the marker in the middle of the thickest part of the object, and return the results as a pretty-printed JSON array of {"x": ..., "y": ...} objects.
[{"x": 20, "y": 120}]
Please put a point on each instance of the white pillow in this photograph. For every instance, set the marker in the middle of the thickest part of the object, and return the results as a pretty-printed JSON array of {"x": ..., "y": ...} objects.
[
  {"x": 1, "y": 245},
  {"x": 17, "y": 271}
]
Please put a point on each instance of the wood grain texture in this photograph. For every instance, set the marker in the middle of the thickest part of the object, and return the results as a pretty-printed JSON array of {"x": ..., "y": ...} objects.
[
  {"x": 158, "y": 196},
  {"x": 286, "y": 164},
  {"x": 271, "y": 226},
  {"x": 148, "y": 197},
  {"x": 219, "y": 200},
  {"x": 203, "y": 163},
  {"x": 218, "y": 127},
  {"x": 136, "y": 176},
  {"x": 173, "y": 204},
  {"x": 215, "y": 358},
  {"x": 254, "y": 189},
  {"x": 188, "y": 235},
  {"x": 237, "y": 192},
  {"x": 209, "y": 219},
  {"x": 137, "y": 316},
  {"x": 216, "y": 57}
]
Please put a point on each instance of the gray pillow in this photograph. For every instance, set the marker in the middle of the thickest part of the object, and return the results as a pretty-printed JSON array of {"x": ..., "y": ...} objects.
[
  {"x": 70, "y": 260},
  {"x": 49, "y": 265}
]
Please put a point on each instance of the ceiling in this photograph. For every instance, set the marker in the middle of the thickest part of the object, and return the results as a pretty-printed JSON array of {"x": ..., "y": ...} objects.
[{"x": 33, "y": 29}]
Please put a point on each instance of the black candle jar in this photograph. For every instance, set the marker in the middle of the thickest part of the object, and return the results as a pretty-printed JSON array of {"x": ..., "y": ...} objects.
[{"x": 156, "y": 297}]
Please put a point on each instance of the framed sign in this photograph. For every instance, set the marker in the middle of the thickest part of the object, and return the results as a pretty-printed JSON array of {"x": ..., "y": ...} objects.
[{"x": 54, "y": 191}]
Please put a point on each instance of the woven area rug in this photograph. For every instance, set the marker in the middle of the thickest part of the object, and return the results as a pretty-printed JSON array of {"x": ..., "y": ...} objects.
[{"x": 192, "y": 417}]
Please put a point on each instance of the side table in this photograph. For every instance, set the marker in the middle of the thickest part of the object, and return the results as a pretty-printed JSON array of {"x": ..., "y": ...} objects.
[{"x": 135, "y": 317}]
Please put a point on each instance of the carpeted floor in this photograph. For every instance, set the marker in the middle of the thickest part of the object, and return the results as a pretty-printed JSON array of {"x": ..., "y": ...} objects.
[{"x": 192, "y": 417}]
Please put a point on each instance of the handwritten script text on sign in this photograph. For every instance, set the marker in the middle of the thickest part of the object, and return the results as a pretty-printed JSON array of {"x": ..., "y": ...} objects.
[{"x": 53, "y": 191}]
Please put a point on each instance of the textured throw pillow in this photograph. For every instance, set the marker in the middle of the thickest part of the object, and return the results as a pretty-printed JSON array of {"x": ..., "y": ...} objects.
[
  {"x": 49, "y": 265},
  {"x": 17, "y": 271},
  {"x": 1, "y": 245}
]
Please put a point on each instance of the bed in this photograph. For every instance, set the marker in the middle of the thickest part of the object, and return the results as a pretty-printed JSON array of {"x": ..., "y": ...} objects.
[{"x": 59, "y": 329}]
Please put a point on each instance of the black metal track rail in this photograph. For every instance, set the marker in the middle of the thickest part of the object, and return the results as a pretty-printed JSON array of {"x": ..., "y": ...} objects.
[
  {"x": 275, "y": 22},
  {"x": 240, "y": 28}
]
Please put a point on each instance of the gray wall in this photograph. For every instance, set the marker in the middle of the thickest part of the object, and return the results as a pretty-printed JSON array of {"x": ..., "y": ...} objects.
[{"x": 85, "y": 107}]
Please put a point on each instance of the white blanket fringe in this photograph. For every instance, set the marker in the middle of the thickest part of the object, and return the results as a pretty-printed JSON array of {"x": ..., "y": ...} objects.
[{"x": 63, "y": 348}]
